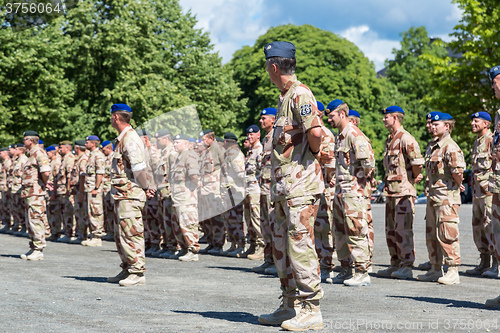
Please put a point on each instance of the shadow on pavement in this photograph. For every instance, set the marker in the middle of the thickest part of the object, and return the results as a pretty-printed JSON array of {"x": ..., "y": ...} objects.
[
  {"x": 230, "y": 268},
  {"x": 18, "y": 256},
  {"x": 237, "y": 317},
  {"x": 453, "y": 303},
  {"x": 88, "y": 278}
]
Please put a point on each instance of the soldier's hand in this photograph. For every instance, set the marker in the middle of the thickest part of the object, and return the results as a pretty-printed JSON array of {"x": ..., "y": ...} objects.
[
  {"x": 324, "y": 157},
  {"x": 94, "y": 192},
  {"x": 462, "y": 188},
  {"x": 332, "y": 182},
  {"x": 418, "y": 178},
  {"x": 150, "y": 193}
]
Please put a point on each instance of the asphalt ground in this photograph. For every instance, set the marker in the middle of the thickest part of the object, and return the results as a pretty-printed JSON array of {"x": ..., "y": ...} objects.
[{"x": 68, "y": 292}]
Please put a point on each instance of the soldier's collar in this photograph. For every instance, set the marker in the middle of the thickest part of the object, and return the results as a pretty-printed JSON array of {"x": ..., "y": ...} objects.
[{"x": 289, "y": 83}]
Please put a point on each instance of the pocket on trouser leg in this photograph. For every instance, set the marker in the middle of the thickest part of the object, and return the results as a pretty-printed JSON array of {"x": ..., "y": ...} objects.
[{"x": 448, "y": 232}]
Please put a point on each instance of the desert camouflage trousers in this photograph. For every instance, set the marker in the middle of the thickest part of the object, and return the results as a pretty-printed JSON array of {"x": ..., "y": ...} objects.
[
  {"x": 5, "y": 203},
  {"x": 399, "y": 218},
  {"x": 18, "y": 211},
  {"x": 294, "y": 253},
  {"x": 95, "y": 209},
  {"x": 81, "y": 215},
  {"x": 54, "y": 214},
  {"x": 167, "y": 231},
  {"x": 251, "y": 205},
  {"x": 68, "y": 214},
  {"x": 36, "y": 213},
  {"x": 267, "y": 226},
  {"x": 441, "y": 234},
  {"x": 235, "y": 225},
  {"x": 371, "y": 231},
  {"x": 152, "y": 222},
  {"x": 129, "y": 235},
  {"x": 109, "y": 213},
  {"x": 482, "y": 231},
  {"x": 350, "y": 225},
  {"x": 323, "y": 236},
  {"x": 211, "y": 216},
  {"x": 185, "y": 227},
  {"x": 495, "y": 223}
]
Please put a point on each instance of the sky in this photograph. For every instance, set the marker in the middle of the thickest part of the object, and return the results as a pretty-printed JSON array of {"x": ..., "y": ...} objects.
[{"x": 373, "y": 25}]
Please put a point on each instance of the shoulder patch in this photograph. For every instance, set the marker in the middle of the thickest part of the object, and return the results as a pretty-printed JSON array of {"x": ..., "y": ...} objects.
[{"x": 305, "y": 110}]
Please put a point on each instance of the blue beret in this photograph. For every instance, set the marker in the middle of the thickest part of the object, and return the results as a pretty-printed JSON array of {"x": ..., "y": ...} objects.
[
  {"x": 253, "y": 129},
  {"x": 40, "y": 142},
  {"x": 12, "y": 146},
  {"x": 494, "y": 72},
  {"x": 321, "y": 107},
  {"x": 120, "y": 107},
  {"x": 394, "y": 108},
  {"x": 181, "y": 137},
  {"x": 481, "y": 115},
  {"x": 268, "y": 112},
  {"x": 442, "y": 116},
  {"x": 431, "y": 115},
  {"x": 19, "y": 145},
  {"x": 50, "y": 148},
  {"x": 92, "y": 138},
  {"x": 334, "y": 104},
  {"x": 162, "y": 133},
  {"x": 279, "y": 49},
  {"x": 354, "y": 113},
  {"x": 192, "y": 140},
  {"x": 106, "y": 143}
]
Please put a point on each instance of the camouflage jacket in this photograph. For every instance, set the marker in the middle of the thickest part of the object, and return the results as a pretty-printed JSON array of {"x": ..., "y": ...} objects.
[
  {"x": 252, "y": 173},
  {"x": 444, "y": 158},
  {"x": 79, "y": 168},
  {"x": 152, "y": 159},
  {"x": 64, "y": 174},
  {"x": 295, "y": 171},
  {"x": 264, "y": 163},
  {"x": 494, "y": 185},
  {"x": 129, "y": 157},
  {"x": 355, "y": 162},
  {"x": 211, "y": 161},
  {"x": 401, "y": 154},
  {"x": 481, "y": 165},
  {"x": 15, "y": 182},
  {"x": 106, "y": 178},
  {"x": 4, "y": 172},
  {"x": 167, "y": 159},
  {"x": 185, "y": 190},
  {"x": 55, "y": 165},
  {"x": 328, "y": 146},
  {"x": 233, "y": 170},
  {"x": 38, "y": 163},
  {"x": 95, "y": 166}
]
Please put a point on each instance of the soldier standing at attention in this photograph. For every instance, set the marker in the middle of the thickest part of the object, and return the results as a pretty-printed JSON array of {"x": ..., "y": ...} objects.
[
  {"x": 128, "y": 187},
  {"x": 109, "y": 215},
  {"x": 444, "y": 165},
  {"x": 403, "y": 163},
  {"x": 35, "y": 176},
  {"x": 296, "y": 185},
  {"x": 77, "y": 190},
  {"x": 63, "y": 189},
  {"x": 93, "y": 190},
  {"x": 19, "y": 160},
  {"x": 54, "y": 206},
  {"x": 5, "y": 201}
]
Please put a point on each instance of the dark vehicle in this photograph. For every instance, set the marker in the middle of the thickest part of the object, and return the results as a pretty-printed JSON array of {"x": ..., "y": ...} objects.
[
  {"x": 467, "y": 183},
  {"x": 378, "y": 195}
]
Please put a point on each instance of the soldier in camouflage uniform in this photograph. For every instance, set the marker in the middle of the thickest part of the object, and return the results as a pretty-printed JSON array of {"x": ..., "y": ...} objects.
[
  {"x": 296, "y": 185},
  {"x": 355, "y": 165},
  {"x": 233, "y": 192},
  {"x": 77, "y": 232},
  {"x": 4, "y": 199},
  {"x": 403, "y": 163},
  {"x": 35, "y": 175},
  {"x": 19, "y": 159},
  {"x": 184, "y": 178},
  {"x": 444, "y": 165},
  {"x": 93, "y": 190},
  {"x": 54, "y": 206},
  {"x": 482, "y": 197},
  {"x": 129, "y": 188},
  {"x": 210, "y": 200},
  {"x": 109, "y": 214},
  {"x": 267, "y": 118},
  {"x": 63, "y": 190}
]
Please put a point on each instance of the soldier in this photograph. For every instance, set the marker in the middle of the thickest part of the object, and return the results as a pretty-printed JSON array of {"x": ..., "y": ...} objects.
[
  {"x": 77, "y": 232},
  {"x": 129, "y": 187},
  {"x": 444, "y": 164},
  {"x": 233, "y": 189},
  {"x": 403, "y": 163},
  {"x": 210, "y": 198},
  {"x": 295, "y": 190},
  {"x": 63, "y": 190},
  {"x": 93, "y": 191},
  {"x": 35, "y": 175},
  {"x": 5, "y": 202},
  {"x": 267, "y": 118},
  {"x": 19, "y": 160},
  {"x": 355, "y": 165},
  {"x": 354, "y": 117},
  {"x": 495, "y": 179},
  {"x": 109, "y": 220},
  {"x": 54, "y": 206},
  {"x": 184, "y": 184}
]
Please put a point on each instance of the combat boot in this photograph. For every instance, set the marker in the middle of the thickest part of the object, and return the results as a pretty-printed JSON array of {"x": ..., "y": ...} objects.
[
  {"x": 167, "y": 254},
  {"x": 326, "y": 275},
  {"x": 425, "y": 266},
  {"x": 133, "y": 279},
  {"x": 93, "y": 242},
  {"x": 121, "y": 276},
  {"x": 432, "y": 275},
  {"x": 345, "y": 274},
  {"x": 216, "y": 251},
  {"x": 4, "y": 230},
  {"x": 493, "y": 271},
  {"x": 451, "y": 276},
  {"x": 151, "y": 250},
  {"x": 158, "y": 252},
  {"x": 483, "y": 266},
  {"x": 240, "y": 249},
  {"x": 225, "y": 253},
  {"x": 108, "y": 237},
  {"x": 359, "y": 279},
  {"x": 190, "y": 256},
  {"x": 387, "y": 272},
  {"x": 53, "y": 238},
  {"x": 288, "y": 309},
  {"x": 251, "y": 250},
  {"x": 178, "y": 254},
  {"x": 271, "y": 271},
  {"x": 493, "y": 303},
  {"x": 262, "y": 268},
  {"x": 64, "y": 239},
  {"x": 308, "y": 318},
  {"x": 404, "y": 273},
  {"x": 205, "y": 250},
  {"x": 33, "y": 255},
  {"x": 258, "y": 254}
]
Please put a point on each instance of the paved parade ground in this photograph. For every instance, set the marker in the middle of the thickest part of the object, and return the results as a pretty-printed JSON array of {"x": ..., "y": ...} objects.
[{"x": 68, "y": 292}]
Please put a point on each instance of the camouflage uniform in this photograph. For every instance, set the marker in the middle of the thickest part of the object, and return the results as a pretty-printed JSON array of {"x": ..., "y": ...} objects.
[
  {"x": 210, "y": 200},
  {"x": 33, "y": 192},
  {"x": 19, "y": 208},
  {"x": 95, "y": 209},
  {"x": 252, "y": 199},
  {"x": 55, "y": 200},
  {"x": 80, "y": 209},
  {"x": 153, "y": 218},
  {"x": 401, "y": 154},
  {"x": 443, "y": 158},
  {"x": 109, "y": 214},
  {"x": 296, "y": 184},
  {"x": 5, "y": 201},
  {"x": 67, "y": 198},
  {"x": 129, "y": 199},
  {"x": 494, "y": 188},
  {"x": 354, "y": 156},
  {"x": 233, "y": 187},
  {"x": 185, "y": 199}
]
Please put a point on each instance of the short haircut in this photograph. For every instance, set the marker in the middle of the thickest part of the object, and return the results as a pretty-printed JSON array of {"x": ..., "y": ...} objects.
[
  {"x": 356, "y": 120},
  {"x": 285, "y": 65},
  {"x": 124, "y": 116},
  {"x": 400, "y": 116},
  {"x": 211, "y": 135},
  {"x": 451, "y": 122}
]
